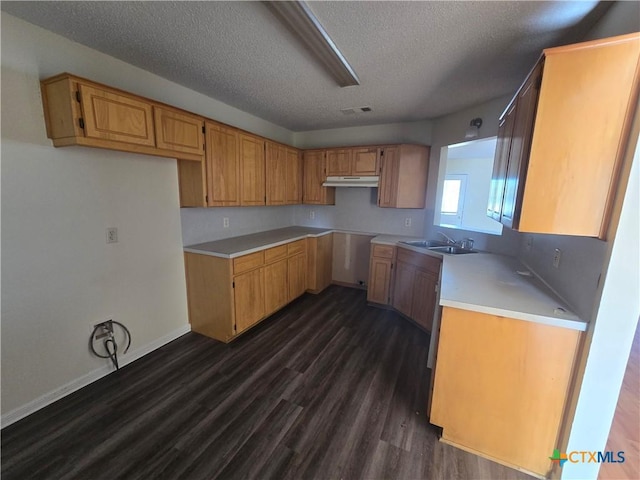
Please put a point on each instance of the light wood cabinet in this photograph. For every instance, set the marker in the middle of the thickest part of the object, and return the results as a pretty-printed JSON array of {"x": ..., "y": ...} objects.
[
  {"x": 315, "y": 173},
  {"x": 178, "y": 131},
  {"x": 252, "y": 170},
  {"x": 501, "y": 386},
  {"x": 568, "y": 145},
  {"x": 339, "y": 162},
  {"x": 403, "y": 176},
  {"x": 276, "y": 293},
  {"x": 365, "y": 161},
  {"x": 228, "y": 296},
  {"x": 80, "y": 112},
  {"x": 293, "y": 180},
  {"x": 380, "y": 274},
  {"x": 283, "y": 174},
  {"x": 249, "y": 298},
  {"x": 415, "y": 286},
  {"x": 297, "y": 275},
  {"x": 223, "y": 166},
  {"x": 319, "y": 262}
]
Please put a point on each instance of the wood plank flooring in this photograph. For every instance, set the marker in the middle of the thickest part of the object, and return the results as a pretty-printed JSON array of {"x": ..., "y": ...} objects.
[{"x": 326, "y": 388}]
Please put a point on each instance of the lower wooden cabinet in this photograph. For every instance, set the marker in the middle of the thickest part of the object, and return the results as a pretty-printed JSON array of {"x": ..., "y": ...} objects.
[
  {"x": 228, "y": 296},
  {"x": 380, "y": 274},
  {"x": 406, "y": 280},
  {"x": 501, "y": 386},
  {"x": 248, "y": 298},
  {"x": 319, "y": 262}
]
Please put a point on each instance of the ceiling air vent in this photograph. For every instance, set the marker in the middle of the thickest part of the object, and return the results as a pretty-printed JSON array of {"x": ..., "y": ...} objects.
[
  {"x": 352, "y": 110},
  {"x": 348, "y": 111},
  {"x": 365, "y": 109}
]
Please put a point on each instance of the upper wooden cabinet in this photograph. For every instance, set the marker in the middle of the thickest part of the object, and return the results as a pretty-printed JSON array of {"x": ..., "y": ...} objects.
[
  {"x": 339, "y": 162},
  {"x": 500, "y": 163},
  {"x": 359, "y": 161},
  {"x": 223, "y": 166},
  {"x": 566, "y": 148},
  {"x": 403, "y": 176},
  {"x": 252, "y": 170},
  {"x": 80, "y": 112},
  {"x": 315, "y": 173},
  {"x": 178, "y": 131},
  {"x": 365, "y": 161},
  {"x": 283, "y": 174}
]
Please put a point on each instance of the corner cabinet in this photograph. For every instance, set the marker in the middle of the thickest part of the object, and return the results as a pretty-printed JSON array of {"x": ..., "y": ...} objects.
[
  {"x": 562, "y": 139},
  {"x": 228, "y": 296},
  {"x": 403, "y": 174},
  {"x": 283, "y": 174},
  {"x": 315, "y": 173},
  {"x": 80, "y": 112}
]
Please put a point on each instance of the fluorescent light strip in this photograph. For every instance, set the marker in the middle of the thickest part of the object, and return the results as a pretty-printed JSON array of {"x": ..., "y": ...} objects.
[{"x": 299, "y": 18}]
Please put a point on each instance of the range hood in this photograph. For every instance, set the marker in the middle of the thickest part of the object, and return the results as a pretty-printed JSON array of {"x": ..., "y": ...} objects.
[{"x": 351, "y": 182}]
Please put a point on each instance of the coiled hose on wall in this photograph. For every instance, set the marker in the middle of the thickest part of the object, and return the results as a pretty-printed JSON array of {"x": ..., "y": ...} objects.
[{"x": 105, "y": 331}]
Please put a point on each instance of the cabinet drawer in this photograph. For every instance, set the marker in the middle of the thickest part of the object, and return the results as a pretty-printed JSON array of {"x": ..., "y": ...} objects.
[
  {"x": 248, "y": 262},
  {"x": 383, "y": 251},
  {"x": 294, "y": 248},
  {"x": 424, "y": 262},
  {"x": 275, "y": 253}
]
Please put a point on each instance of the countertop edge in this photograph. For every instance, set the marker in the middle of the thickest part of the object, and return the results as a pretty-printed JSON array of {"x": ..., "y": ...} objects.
[{"x": 527, "y": 317}]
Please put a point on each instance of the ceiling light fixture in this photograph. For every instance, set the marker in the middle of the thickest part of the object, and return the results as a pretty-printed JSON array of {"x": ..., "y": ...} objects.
[
  {"x": 474, "y": 128},
  {"x": 299, "y": 18}
]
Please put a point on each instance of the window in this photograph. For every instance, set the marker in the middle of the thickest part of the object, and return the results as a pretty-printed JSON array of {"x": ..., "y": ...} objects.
[{"x": 453, "y": 194}]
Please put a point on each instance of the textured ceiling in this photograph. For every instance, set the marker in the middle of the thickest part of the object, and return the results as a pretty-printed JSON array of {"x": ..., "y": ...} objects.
[{"x": 415, "y": 60}]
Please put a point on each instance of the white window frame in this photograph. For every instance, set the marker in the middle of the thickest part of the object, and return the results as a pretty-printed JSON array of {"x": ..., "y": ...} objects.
[{"x": 454, "y": 219}]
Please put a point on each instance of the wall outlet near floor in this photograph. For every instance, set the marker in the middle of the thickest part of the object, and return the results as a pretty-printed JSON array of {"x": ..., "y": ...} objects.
[
  {"x": 557, "y": 255},
  {"x": 225, "y": 222},
  {"x": 312, "y": 215},
  {"x": 407, "y": 222},
  {"x": 112, "y": 235},
  {"x": 529, "y": 244}
]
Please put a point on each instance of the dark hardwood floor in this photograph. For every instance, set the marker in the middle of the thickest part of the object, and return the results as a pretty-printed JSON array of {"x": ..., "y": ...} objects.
[{"x": 326, "y": 388}]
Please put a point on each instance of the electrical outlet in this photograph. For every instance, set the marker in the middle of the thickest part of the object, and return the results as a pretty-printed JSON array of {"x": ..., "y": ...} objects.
[
  {"x": 112, "y": 235},
  {"x": 529, "y": 244},
  {"x": 557, "y": 254},
  {"x": 225, "y": 222},
  {"x": 407, "y": 222},
  {"x": 312, "y": 214}
]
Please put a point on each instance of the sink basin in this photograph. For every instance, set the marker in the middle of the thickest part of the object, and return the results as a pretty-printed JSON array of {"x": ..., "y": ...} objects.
[
  {"x": 425, "y": 243},
  {"x": 451, "y": 249}
]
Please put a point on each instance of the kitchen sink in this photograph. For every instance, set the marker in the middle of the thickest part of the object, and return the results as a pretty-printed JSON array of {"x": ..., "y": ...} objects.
[
  {"x": 451, "y": 249},
  {"x": 425, "y": 243}
]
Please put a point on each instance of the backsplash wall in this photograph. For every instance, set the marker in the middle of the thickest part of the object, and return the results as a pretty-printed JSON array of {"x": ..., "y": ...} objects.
[
  {"x": 207, "y": 224},
  {"x": 356, "y": 210}
]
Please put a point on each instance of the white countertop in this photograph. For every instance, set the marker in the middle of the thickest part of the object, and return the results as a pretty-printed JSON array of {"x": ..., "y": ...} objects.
[
  {"x": 489, "y": 283},
  {"x": 245, "y": 244}
]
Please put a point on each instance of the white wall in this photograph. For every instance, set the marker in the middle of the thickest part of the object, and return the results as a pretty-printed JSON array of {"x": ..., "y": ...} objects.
[
  {"x": 59, "y": 276},
  {"x": 409, "y": 132}
]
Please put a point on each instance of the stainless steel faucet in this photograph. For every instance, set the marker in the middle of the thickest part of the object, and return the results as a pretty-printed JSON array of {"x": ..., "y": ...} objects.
[{"x": 449, "y": 239}]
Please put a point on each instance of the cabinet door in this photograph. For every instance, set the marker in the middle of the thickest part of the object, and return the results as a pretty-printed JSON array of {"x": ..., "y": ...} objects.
[
  {"x": 112, "y": 116},
  {"x": 379, "y": 288},
  {"x": 424, "y": 298},
  {"x": 520, "y": 147},
  {"x": 178, "y": 131},
  {"x": 314, "y": 171},
  {"x": 276, "y": 288},
  {"x": 293, "y": 177},
  {"x": 500, "y": 163},
  {"x": 403, "y": 288},
  {"x": 248, "y": 298},
  {"x": 297, "y": 275},
  {"x": 252, "y": 171},
  {"x": 223, "y": 167},
  {"x": 388, "y": 189},
  {"x": 365, "y": 161},
  {"x": 276, "y": 173},
  {"x": 339, "y": 162}
]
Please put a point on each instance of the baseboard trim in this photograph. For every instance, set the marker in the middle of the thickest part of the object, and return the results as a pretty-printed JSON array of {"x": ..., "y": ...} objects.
[{"x": 67, "y": 389}]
